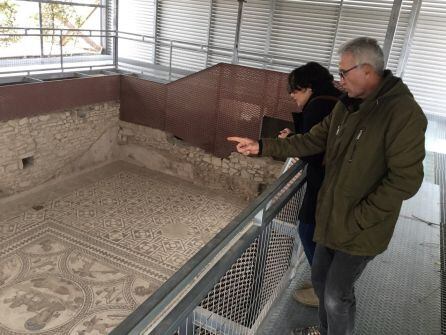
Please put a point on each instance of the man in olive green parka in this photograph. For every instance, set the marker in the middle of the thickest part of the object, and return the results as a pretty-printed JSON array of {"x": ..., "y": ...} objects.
[{"x": 374, "y": 150}]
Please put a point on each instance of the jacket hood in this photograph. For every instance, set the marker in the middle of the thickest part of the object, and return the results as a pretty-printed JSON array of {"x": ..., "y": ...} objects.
[
  {"x": 352, "y": 104},
  {"x": 327, "y": 89},
  {"x": 389, "y": 87}
]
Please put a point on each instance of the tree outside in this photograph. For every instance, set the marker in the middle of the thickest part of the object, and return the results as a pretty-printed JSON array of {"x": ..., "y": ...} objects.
[
  {"x": 53, "y": 16},
  {"x": 8, "y": 11}
]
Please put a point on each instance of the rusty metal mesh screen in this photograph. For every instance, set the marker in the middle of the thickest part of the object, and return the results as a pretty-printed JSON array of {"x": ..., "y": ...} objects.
[
  {"x": 206, "y": 107},
  {"x": 19, "y": 101},
  {"x": 191, "y": 108},
  {"x": 143, "y": 102}
]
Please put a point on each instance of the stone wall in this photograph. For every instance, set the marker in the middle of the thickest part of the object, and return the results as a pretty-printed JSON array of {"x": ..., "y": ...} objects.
[
  {"x": 163, "y": 152},
  {"x": 40, "y": 148},
  {"x": 36, "y": 149}
]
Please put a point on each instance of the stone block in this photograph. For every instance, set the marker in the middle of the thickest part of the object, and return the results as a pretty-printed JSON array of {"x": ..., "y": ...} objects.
[
  {"x": 24, "y": 183},
  {"x": 245, "y": 174},
  {"x": 13, "y": 123},
  {"x": 232, "y": 171},
  {"x": 12, "y": 167},
  {"x": 216, "y": 161},
  {"x": 44, "y": 118},
  {"x": 23, "y": 121}
]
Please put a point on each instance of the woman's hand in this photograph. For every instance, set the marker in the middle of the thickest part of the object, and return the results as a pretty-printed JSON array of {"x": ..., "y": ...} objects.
[
  {"x": 245, "y": 146},
  {"x": 284, "y": 133}
]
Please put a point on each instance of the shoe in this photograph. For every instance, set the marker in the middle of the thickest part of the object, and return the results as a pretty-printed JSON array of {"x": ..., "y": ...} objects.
[
  {"x": 306, "y": 296},
  {"x": 312, "y": 330}
]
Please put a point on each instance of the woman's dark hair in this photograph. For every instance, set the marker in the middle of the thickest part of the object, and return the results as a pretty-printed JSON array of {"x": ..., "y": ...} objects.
[{"x": 311, "y": 75}]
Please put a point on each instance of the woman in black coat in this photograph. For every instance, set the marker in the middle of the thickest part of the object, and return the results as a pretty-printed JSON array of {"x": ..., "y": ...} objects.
[{"x": 311, "y": 87}]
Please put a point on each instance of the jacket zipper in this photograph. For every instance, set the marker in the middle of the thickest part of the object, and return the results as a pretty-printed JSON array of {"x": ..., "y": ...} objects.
[
  {"x": 338, "y": 130},
  {"x": 361, "y": 131},
  {"x": 341, "y": 125}
]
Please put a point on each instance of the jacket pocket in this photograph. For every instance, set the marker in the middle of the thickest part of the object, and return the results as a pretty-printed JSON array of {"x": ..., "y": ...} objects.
[{"x": 344, "y": 226}]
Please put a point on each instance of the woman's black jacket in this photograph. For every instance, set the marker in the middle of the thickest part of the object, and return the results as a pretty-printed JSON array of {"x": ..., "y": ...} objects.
[{"x": 315, "y": 110}]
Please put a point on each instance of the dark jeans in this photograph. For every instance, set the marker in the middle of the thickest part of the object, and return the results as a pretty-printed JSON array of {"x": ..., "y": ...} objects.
[
  {"x": 306, "y": 232},
  {"x": 333, "y": 275}
]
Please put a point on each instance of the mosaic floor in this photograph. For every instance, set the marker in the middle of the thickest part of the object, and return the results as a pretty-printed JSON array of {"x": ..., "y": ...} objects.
[{"x": 78, "y": 258}]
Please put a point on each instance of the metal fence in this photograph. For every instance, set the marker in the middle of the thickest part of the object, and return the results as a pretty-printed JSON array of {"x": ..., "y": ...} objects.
[
  {"x": 229, "y": 285},
  {"x": 172, "y": 68},
  {"x": 59, "y": 54}
]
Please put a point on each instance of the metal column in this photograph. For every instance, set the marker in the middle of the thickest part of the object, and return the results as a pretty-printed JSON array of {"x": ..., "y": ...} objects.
[
  {"x": 237, "y": 31},
  {"x": 391, "y": 28}
]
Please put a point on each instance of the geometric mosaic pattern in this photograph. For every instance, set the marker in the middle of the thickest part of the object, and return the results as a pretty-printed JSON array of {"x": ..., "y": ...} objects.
[{"x": 89, "y": 257}]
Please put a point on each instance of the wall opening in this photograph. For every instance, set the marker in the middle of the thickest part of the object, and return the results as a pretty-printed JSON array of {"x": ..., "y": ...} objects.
[{"x": 27, "y": 161}]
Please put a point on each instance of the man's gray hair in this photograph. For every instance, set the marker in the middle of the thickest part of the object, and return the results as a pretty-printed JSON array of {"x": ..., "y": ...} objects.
[{"x": 365, "y": 50}]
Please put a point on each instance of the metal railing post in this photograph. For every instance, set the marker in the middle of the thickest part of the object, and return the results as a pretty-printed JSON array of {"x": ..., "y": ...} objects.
[
  {"x": 170, "y": 59},
  {"x": 41, "y": 30},
  {"x": 415, "y": 11},
  {"x": 338, "y": 20},
  {"x": 237, "y": 31},
  {"x": 391, "y": 29},
  {"x": 115, "y": 46},
  {"x": 61, "y": 50}
]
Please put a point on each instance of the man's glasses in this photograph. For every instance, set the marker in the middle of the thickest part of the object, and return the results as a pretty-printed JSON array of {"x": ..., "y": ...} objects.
[{"x": 343, "y": 73}]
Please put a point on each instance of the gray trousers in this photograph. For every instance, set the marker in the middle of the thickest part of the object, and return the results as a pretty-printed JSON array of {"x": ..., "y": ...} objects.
[{"x": 333, "y": 275}]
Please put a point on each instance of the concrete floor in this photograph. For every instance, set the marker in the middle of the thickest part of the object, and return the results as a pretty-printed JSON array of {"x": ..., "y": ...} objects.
[{"x": 77, "y": 256}]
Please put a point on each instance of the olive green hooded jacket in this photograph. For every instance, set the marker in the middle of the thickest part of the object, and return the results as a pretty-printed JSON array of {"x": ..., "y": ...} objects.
[{"x": 374, "y": 160}]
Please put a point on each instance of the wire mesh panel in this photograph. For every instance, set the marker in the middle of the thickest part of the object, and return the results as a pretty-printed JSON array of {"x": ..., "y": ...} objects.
[
  {"x": 290, "y": 211},
  {"x": 230, "y": 297},
  {"x": 237, "y": 300},
  {"x": 246, "y": 96},
  {"x": 240, "y": 105},
  {"x": 278, "y": 103},
  {"x": 190, "y": 108},
  {"x": 206, "y": 107},
  {"x": 143, "y": 102},
  {"x": 280, "y": 248},
  {"x": 56, "y": 95},
  {"x": 240, "y": 299}
]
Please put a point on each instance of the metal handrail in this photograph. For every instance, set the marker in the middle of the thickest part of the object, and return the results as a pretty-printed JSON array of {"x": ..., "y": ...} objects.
[
  {"x": 206, "y": 48},
  {"x": 76, "y": 68},
  {"x": 56, "y": 29},
  {"x": 55, "y": 35},
  {"x": 242, "y": 230},
  {"x": 60, "y": 33},
  {"x": 72, "y": 3},
  {"x": 263, "y": 58}
]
